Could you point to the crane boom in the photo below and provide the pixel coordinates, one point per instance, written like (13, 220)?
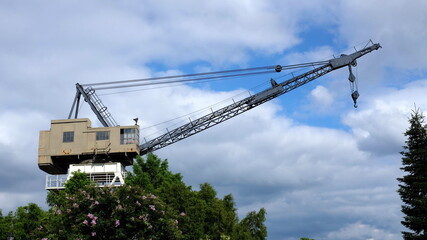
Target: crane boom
(232, 110)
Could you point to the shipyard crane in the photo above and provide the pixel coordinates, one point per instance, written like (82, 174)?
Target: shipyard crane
(74, 141)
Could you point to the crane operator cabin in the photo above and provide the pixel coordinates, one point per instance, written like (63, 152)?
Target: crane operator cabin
(74, 141)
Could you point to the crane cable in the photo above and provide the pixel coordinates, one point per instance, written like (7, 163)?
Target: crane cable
(197, 76)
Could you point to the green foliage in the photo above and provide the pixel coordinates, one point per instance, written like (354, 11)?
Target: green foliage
(153, 204)
(112, 213)
(203, 214)
(252, 226)
(413, 187)
(304, 238)
(78, 182)
(152, 173)
(25, 223)
(6, 225)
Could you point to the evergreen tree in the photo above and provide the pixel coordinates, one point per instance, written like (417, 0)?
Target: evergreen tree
(413, 186)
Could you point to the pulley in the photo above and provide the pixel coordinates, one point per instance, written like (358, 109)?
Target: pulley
(353, 84)
(355, 96)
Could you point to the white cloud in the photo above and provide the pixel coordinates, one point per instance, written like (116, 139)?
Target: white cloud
(333, 180)
(397, 25)
(379, 125)
(360, 231)
(318, 54)
(321, 96)
(10, 201)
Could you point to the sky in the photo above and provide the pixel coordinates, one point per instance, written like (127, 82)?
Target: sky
(321, 168)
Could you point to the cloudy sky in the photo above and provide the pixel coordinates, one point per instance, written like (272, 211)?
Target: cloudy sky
(321, 168)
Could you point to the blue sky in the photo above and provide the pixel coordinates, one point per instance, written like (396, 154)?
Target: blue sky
(321, 168)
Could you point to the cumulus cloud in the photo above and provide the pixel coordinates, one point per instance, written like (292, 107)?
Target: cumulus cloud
(318, 54)
(334, 180)
(321, 96)
(380, 125)
(362, 231)
(396, 24)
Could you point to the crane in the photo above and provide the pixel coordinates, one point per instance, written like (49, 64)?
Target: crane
(120, 144)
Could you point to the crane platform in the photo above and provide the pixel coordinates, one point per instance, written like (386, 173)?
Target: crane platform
(102, 174)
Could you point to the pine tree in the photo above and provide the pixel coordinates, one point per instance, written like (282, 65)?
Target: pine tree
(413, 187)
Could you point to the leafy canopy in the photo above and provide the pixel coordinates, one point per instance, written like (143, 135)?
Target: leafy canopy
(153, 204)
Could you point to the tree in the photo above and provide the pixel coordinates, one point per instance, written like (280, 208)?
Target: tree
(202, 214)
(413, 186)
(24, 223)
(153, 204)
(85, 211)
(6, 225)
(252, 226)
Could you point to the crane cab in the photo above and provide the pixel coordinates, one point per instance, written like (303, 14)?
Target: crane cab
(74, 141)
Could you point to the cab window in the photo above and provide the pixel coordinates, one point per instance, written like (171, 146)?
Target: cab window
(129, 136)
(104, 135)
(68, 137)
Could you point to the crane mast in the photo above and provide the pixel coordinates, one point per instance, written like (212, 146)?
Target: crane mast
(230, 111)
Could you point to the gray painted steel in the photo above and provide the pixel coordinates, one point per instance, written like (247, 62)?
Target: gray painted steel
(248, 103)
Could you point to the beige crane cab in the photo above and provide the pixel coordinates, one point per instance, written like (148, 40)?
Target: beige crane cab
(74, 141)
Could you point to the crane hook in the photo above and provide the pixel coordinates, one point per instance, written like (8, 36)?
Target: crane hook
(354, 96)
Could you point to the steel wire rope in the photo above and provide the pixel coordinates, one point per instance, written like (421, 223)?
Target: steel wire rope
(181, 80)
(178, 76)
(197, 74)
(168, 86)
(210, 107)
(206, 79)
(204, 109)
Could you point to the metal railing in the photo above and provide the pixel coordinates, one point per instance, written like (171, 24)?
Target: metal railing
(55, 182)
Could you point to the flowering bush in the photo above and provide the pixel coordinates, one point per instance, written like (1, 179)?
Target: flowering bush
(153, 204)
(126, 212)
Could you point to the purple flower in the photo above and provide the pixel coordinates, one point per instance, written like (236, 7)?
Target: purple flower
(93, 222)
(144, 197)
(58, 212)
(93, 234)
(90, 215)
(85, 222)
(138, 203)
(96, 203)
(152, 207)
(117, 223)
